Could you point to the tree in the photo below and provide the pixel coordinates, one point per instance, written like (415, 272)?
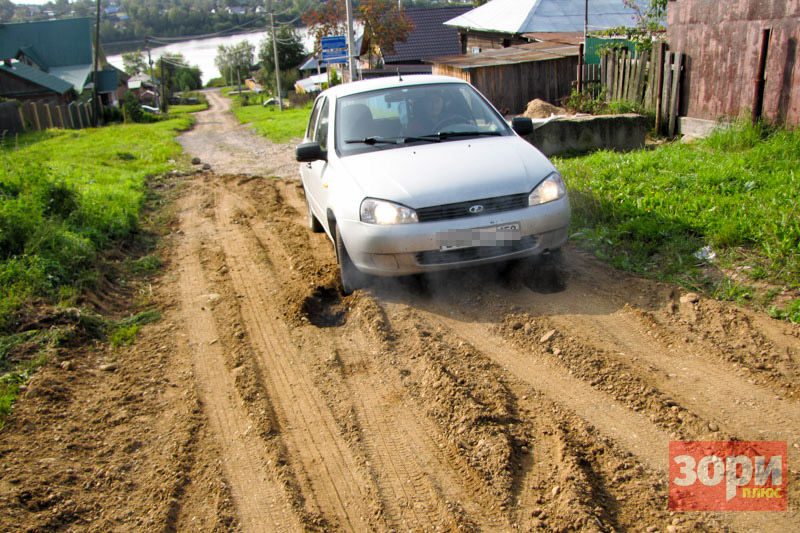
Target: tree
(384, 25)
(174, 74)
(6, 10)
(235, 61)
(223, 62)
(133, 63)
(328, 20)
(649, 23)
(290, 50)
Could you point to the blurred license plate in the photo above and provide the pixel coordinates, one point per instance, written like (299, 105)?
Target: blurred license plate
(502, 235)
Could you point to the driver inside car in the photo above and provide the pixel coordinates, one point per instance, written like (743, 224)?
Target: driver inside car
(428, 113)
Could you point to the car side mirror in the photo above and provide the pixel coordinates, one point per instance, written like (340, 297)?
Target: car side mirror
(522, 125)
(309, 152)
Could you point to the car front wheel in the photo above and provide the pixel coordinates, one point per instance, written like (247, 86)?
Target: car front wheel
(350, 278)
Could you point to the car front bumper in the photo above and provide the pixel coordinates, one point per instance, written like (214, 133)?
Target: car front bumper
(404, 249)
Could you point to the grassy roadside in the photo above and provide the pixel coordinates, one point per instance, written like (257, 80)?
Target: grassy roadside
(736, 192)
(278, 126)
(69, 201)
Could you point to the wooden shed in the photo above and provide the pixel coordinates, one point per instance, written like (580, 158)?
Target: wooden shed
(512, 77)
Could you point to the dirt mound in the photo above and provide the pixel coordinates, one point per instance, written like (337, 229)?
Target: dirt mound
(540, 109)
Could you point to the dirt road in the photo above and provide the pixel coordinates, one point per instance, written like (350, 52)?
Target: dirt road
(479, 400)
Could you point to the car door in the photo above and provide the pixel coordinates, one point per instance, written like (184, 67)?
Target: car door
(313, 173)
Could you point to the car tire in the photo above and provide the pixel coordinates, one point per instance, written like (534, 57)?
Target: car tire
(350, 278)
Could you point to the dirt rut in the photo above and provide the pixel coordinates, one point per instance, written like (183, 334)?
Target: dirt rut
(475, 400)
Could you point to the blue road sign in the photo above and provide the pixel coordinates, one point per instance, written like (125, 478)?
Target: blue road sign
(336, 42)
(333, 55)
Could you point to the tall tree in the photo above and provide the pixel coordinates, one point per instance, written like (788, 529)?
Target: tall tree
(290, 50)
(384, 25)
(133, 63)
(329, 19)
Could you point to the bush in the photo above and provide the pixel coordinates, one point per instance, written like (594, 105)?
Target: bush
(216, 82)
(132, 108)
(112, 114)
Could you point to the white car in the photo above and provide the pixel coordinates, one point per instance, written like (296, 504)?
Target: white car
(421, 173)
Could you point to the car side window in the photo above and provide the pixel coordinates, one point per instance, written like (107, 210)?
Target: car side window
(313, 120)
(321, 135)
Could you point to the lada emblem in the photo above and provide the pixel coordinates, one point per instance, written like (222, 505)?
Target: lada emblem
(475, 209)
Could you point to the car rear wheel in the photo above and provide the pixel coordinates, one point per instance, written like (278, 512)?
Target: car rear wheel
(313, 224)
(350, 278)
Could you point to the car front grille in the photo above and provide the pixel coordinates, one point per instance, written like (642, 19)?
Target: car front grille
(474, 253)
(462, 209)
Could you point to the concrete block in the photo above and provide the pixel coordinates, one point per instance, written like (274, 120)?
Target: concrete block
(577, 135)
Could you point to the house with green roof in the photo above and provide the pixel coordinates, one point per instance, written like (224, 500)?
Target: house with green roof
(51, 61)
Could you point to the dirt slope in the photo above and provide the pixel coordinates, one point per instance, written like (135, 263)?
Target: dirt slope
(479, 400)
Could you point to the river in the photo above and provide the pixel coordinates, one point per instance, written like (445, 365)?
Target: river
(202, 52)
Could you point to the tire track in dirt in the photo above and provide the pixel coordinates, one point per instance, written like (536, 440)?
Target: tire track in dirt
(344, 493)
(632, 430)
(261, 503)
(546, 369)
(417, 485)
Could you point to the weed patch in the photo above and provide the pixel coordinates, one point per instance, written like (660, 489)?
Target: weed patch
(67, 200)
(278, 126)
(651, 211)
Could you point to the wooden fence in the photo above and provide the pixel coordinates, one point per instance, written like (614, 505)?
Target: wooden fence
(39, 116)
(651, 78)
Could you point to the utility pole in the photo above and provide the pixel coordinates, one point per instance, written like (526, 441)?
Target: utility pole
(152, 78)
(585, 20)
(95, 100)
(351, 56)
(277, 66)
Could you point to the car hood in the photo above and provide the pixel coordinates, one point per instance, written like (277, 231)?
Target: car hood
(425, 175)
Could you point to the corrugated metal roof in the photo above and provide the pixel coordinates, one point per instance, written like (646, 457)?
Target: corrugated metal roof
(430, 38)
(34, 75)
(524, 53)
(529, 16)
(55, 42)
(77, 75)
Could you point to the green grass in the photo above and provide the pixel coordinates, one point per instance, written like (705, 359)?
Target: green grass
(67, 197)
(278, 126)
(176, 111)
(649, 211)
(124, 332)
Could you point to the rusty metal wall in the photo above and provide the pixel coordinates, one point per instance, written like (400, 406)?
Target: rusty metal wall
(722, 42)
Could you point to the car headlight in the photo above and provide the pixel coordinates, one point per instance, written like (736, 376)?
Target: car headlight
(382, 212)
(551, 188)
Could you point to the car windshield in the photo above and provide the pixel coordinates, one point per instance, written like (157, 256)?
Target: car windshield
(399, 116)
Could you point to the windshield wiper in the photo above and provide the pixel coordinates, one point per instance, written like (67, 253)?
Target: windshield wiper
(446, 134)
(439, 136)
(372, 140)
(432, 138)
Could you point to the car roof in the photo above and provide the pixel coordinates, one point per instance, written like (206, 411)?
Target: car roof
(363, 86)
